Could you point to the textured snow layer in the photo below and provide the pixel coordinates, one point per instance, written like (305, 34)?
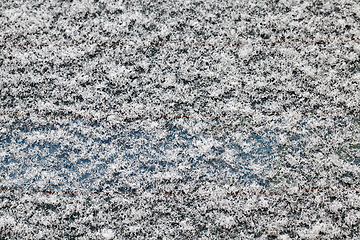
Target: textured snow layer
(111, 62)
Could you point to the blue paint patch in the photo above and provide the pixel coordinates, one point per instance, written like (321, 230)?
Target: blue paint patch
(93, 159)
(67, 161)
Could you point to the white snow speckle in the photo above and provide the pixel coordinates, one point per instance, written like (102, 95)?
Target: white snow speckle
(108, 233)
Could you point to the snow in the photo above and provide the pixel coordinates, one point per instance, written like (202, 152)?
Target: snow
(112, 106)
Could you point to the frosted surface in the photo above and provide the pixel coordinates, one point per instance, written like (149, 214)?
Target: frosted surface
(138, 101)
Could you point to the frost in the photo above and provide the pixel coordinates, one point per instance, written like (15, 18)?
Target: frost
(108, 233)
(8, 220)
(273, 232)
(226, 222)
(174, 119)
(284, 237)
(352, 217)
